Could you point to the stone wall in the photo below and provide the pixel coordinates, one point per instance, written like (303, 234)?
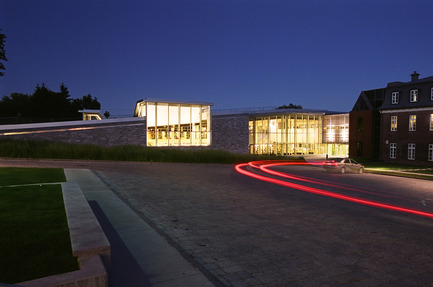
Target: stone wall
(131, 131)
(230, 133)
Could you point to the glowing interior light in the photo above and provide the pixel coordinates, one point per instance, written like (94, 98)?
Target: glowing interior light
(331, 135)
(345, 135)
(273, 126)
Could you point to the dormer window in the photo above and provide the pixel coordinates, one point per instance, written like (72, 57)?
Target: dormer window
(413, 96)
(394, 98)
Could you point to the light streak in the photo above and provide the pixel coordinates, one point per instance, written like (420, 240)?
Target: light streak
(265, 168)
(241, 169)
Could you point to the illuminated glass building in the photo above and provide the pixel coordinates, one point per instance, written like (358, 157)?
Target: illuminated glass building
(273, 131)
(182, 124)
(299, 132)
(175, 123)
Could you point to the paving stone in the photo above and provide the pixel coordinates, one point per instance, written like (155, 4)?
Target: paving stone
(267, 229)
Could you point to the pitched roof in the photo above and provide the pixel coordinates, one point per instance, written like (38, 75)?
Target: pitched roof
(369, 100)
(423, 86)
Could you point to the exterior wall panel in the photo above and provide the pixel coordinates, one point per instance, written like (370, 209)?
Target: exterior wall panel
(230, 133)
(103, 133)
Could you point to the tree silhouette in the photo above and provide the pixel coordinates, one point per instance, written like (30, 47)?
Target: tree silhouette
(45, 105)
(290, 106)
(2, 53)
(51, 105)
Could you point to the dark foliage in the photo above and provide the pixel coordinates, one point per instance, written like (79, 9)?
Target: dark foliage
(2, 52)
(44, 105)
(290, 106)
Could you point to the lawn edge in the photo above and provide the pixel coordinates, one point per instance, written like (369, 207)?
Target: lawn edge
(93, 252)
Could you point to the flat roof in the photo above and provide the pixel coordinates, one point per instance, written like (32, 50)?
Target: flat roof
(174, 102)
(272, 111)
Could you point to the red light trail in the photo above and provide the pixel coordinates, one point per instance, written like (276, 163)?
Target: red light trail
(265, 165)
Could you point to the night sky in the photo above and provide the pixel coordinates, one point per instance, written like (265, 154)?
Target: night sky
(235, 54)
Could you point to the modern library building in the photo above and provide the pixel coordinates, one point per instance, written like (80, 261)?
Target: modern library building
(256, 131)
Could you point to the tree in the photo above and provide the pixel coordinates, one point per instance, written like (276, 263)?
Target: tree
(15, 105)
(2, 52)
(290, 106)
(50, 105)
(86, 102)
(90, 102)
(45, 105)
(107, 114)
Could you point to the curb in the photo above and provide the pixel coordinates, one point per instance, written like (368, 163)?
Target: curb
(89, 245)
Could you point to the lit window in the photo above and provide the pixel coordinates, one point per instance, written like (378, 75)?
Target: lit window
(177, 124)
(412, 123)
(392, 150)
(411, 151)
(394, 99)
(393, 123)
(431, 122)
(430, 152)
(413, 96)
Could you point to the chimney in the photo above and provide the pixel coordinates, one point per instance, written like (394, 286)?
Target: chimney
(414, 76)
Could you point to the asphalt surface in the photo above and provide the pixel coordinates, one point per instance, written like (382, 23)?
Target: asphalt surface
(245, 232)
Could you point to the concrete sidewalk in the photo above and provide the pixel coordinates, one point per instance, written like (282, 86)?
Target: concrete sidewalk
(140, 256)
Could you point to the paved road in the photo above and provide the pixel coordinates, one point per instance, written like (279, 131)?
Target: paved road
(252, 233)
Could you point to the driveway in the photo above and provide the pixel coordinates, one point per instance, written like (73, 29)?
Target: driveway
(252, 233)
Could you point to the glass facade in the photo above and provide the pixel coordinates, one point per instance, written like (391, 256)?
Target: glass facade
(299, 134)
(176, 124)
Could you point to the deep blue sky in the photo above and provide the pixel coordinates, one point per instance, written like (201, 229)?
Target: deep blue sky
(318, 54)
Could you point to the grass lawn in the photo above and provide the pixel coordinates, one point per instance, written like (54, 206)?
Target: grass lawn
(414, 171)
(395, 166)
(20, 175)
(35, 237)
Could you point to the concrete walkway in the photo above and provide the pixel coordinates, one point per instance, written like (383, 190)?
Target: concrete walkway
(140, 256)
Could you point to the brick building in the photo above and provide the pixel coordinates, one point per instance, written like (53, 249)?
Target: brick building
(364, 126)
(407, 121)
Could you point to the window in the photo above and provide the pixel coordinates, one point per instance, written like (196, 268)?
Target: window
(392, 150)
(411, 151)
(177, 124)
(430, 152)
(359, 149)
(413, 96)
(360, 124)
(431, 122)
(394, 98)
(393, 123)
(412, 123)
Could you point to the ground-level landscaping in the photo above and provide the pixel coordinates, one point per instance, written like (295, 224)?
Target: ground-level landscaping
(56, 150)
(35, 238)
